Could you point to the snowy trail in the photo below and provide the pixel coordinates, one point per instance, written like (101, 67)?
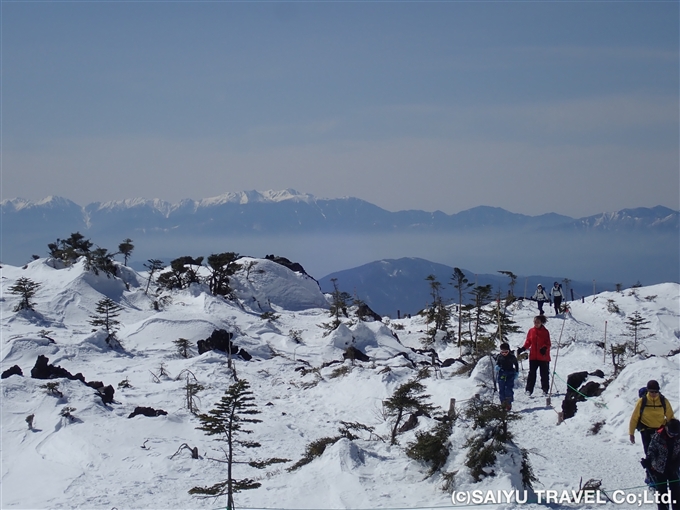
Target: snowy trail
(304, 390)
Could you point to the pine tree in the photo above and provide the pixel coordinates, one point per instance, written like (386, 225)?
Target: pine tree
(182, 273)
(636, 326)
(183, 345)
(407, 398)
(460, 282)
(125, 249)
(513, 281)
(339, 301)
(437, 314)
(26, 288)
(106, 312)
(69, 250)
(504, 322)
(154, 266)
(480, 319)
(227, 420)
(221, 266)
(100, 259)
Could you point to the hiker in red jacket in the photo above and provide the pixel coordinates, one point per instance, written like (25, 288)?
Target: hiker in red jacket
(538, 343)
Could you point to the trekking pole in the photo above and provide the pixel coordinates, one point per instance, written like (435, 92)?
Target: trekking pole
(604, 354)
(557, 354)
(521, 366)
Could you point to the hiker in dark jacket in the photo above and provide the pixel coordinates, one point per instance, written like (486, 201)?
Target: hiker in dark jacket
(656, 412)
(507, 370)
(663, 463)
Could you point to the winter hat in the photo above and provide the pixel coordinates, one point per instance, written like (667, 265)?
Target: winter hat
(555, 284)
(673, 427)
(539, 286)
(653, 385)
(505, 347)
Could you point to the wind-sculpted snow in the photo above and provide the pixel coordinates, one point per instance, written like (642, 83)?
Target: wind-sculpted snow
(264, 285)
(98, 458)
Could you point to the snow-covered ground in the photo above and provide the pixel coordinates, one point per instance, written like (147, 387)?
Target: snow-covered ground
(103, 459)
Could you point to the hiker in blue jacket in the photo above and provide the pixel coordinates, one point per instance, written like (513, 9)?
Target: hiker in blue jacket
(507, 370)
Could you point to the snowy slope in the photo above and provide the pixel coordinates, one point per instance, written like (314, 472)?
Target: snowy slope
(103, 459)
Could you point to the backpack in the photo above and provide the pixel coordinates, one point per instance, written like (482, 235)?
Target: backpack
(642, 393)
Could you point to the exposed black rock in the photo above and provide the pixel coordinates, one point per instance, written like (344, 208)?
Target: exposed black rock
(147, 411)
(219, 340)
(14, 370)
(354, 353)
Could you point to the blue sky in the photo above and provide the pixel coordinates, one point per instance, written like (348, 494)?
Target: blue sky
(535, 107)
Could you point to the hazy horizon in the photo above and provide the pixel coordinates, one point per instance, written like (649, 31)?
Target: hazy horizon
(568, 107)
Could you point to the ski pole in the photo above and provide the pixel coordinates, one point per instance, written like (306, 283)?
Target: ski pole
(557, 354)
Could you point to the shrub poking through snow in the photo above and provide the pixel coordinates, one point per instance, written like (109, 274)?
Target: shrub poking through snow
(407, 398)
(432, 447)
(313, 450)
(491, 423)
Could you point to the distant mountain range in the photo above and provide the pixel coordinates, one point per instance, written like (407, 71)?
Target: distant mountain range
(252, 212)
(399, 287)
(327, 235)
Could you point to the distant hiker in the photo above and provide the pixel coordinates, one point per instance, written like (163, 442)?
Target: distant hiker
(651, 412)
(507, 370)
(556, 294)
(538, 343)
(540, 297)
(663, 463)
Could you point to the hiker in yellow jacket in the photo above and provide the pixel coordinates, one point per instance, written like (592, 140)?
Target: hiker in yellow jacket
(651, 412)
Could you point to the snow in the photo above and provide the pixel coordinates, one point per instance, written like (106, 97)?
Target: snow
(102, 459)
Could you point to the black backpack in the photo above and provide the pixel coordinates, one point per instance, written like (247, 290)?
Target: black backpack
(642, 393)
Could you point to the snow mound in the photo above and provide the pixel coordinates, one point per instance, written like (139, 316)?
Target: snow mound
(264, 286)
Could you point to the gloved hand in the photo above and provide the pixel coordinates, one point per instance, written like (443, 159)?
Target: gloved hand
(497, 368)
(645, 463)
(543, 350)
(520, 350)
(516, 375)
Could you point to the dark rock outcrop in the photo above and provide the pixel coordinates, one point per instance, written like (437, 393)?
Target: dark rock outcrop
(244, 354)
(365, 311)
(578, 392)
(15, 370)
(43, 370)
(147, 411)
(353, 353)
(219, 340)
(293, 266)
(105, 392)
(574, 381)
